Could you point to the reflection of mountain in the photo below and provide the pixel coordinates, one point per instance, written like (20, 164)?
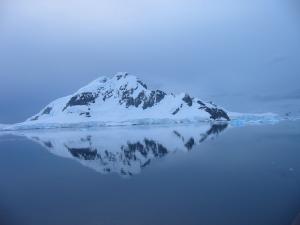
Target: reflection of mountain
(123, 150)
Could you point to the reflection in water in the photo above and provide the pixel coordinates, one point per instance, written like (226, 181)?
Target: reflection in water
(125, 151)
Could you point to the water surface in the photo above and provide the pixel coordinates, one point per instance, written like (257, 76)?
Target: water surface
(191, 175)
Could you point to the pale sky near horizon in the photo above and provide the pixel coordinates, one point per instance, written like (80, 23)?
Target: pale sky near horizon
(229, 51)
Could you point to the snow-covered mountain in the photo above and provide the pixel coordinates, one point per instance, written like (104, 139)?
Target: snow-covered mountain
(122, 150)
(124, 99)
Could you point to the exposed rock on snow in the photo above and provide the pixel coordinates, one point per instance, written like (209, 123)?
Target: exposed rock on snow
(123, 99)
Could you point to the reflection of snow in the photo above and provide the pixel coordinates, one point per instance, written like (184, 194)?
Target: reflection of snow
(125, 151)
(238, 119)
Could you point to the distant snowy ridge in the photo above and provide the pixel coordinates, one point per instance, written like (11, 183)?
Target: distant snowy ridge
(122, 100)
(241, 119)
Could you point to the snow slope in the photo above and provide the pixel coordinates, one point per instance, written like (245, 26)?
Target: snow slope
(122, 100)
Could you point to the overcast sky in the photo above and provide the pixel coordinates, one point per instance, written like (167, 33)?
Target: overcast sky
(230, 51)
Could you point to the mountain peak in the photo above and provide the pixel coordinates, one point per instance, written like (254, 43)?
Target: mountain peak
(120, 75)
(125, 99)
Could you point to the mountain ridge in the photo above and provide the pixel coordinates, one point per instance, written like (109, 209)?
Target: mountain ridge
(125, 100)
(124, 91)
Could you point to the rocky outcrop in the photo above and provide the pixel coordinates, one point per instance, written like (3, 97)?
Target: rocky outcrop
(84, 98)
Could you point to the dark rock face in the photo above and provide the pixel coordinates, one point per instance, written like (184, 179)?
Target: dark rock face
(129, 153)
(216, 113)
(146, 163)
(139, 99)
(178, 134)
(149, 102)
(145, 148)
(130, 150)
(126, 97)
(84, 98)
(47, 110)
(123, 93)
(188, 100)
(129, 102)
(143, 84)
(214, 130)
(190, 143)
(200, 103)
(83, 153)
(159, 95)
(87, 114)
(103, 80)
(34, 118)
(48, 144)
(146, 101)
(217, 128)
(121, 76)
(107, 94)
(177, 110)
